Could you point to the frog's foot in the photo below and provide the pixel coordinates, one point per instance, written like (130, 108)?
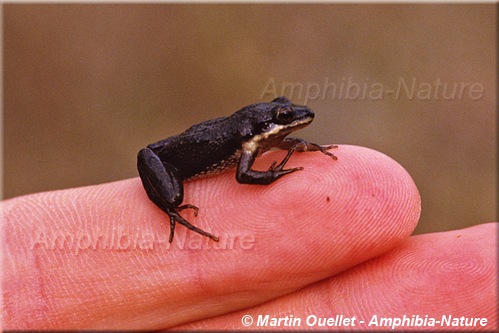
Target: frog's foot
(301, 146)
(316, 147)
(175, 217)
(279, 169)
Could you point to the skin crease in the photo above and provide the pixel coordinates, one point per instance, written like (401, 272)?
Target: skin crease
(335, 228)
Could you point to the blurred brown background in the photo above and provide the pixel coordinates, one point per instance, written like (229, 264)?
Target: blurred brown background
(86, 86)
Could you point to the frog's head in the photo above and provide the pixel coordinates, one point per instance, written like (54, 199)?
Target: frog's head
(290, 116)
(269, 123)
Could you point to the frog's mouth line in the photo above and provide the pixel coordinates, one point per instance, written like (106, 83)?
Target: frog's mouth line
(283, 130)
(300, 123)
(277, 132)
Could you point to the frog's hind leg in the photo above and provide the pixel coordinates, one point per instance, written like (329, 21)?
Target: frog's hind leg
(164, 187)
(160, 181)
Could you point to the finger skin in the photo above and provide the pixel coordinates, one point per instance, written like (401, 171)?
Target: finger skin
(441, 274)
(116, 270)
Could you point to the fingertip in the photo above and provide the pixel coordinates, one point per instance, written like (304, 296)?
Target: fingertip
(363, 190)
(351, 209)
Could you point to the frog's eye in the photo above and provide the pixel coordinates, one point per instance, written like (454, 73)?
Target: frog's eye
(284, 116)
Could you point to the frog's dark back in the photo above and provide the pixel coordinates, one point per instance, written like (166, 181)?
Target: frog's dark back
(204, 149)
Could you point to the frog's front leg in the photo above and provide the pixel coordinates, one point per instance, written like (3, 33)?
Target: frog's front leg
(245, 175)
(301, 145)
(164, 187)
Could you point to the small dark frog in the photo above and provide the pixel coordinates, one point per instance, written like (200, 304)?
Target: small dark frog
(215, 145)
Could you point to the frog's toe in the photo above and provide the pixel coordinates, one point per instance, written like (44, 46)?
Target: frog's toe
(188, 206)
